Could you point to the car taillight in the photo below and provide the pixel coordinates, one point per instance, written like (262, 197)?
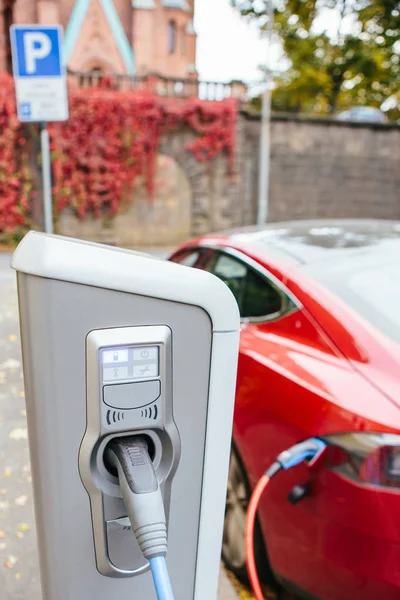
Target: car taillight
(371, 458)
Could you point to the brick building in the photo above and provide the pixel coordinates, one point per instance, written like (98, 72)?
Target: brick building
(124, 36)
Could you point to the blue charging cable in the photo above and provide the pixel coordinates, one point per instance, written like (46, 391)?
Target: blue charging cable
(286, 460)
(161, 579)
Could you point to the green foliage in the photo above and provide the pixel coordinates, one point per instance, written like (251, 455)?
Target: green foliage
(355, 61)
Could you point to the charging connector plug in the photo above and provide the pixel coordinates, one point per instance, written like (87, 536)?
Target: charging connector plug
(141, 493)
(296, 454)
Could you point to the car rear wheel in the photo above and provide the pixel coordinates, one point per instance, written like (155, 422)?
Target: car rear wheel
(233, 546)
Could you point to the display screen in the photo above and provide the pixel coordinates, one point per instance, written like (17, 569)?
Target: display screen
(135, 362)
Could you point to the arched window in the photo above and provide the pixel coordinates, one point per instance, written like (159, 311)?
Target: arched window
(183, 40)
(171, 37)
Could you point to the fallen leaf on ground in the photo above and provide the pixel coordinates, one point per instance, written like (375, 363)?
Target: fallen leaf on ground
(22, 394)
(12, 337)
(20, 535)
(7, 472)
(18, 575)
(3, 492)
(3, 546)
(12, 560)
(2, 535)
(21, 500)
(4, 505)
(19, 434)
(22, 527)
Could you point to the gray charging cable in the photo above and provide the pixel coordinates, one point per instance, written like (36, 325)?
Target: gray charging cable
(141, 493)
(144, 504)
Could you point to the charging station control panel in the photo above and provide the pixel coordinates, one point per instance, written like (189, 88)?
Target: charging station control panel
(129, 390)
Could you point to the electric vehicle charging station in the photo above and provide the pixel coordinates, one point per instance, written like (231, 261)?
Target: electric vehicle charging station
(118, 344)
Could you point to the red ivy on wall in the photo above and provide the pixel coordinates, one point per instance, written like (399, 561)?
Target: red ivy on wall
(15, 180)
(111, 138)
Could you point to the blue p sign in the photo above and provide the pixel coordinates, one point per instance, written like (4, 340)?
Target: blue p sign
(37, 51)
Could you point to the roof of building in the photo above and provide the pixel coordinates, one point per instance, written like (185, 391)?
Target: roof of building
(77, 20)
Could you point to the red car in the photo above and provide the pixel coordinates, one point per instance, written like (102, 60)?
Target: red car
(319, 356)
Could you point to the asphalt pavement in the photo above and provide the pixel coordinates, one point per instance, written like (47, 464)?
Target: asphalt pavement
(19, 574)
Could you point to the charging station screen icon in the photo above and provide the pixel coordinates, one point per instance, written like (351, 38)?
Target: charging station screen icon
(115, 356)
(130, 363)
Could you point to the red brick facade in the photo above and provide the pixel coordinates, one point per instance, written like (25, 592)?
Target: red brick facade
(160, 32)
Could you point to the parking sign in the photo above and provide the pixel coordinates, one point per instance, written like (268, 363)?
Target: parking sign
(40, 79)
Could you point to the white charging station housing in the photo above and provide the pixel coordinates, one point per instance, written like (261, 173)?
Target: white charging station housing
(117, 343)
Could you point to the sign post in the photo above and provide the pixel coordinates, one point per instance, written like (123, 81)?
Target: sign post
(41, 90)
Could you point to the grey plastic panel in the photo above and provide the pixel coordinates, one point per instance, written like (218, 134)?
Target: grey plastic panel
(56, 318)
(128, 396)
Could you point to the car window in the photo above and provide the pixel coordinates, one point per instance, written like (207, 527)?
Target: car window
(233, 273)
(255, 296)
(188, 258)
(260, 298)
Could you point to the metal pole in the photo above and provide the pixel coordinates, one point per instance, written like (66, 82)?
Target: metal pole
(265, 132)
(46, 178)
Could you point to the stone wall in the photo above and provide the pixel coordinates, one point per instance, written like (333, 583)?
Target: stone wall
(191, 198)
(319, 169)
(324, 168)
(164, 220)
